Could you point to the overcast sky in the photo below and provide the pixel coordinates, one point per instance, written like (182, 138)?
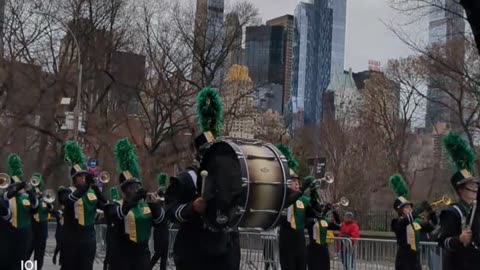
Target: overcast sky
(366, 38)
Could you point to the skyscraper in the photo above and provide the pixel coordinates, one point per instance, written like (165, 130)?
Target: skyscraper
(339, 8)
(264, 49)
(445, 26)
(208, 39)
(312, 55)
(287, 22)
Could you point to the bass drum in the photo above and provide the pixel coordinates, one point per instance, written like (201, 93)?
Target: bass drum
(246, 185)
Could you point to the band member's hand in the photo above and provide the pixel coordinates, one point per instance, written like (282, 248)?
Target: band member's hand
(466, 236)
(141, 194)
(199, 205)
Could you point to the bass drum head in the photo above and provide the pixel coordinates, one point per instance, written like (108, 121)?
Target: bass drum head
(223, 190)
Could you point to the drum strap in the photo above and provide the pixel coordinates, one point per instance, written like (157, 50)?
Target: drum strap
(193, 175)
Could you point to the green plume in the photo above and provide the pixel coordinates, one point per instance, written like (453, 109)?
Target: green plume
(461, 155)
(398, 185)
(287, 152)
(74, 154)
(114, 194)
(126, 158)
(162, 180)
(210, 111)
(15, 166)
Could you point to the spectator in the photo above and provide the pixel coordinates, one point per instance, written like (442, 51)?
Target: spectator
(349, 229)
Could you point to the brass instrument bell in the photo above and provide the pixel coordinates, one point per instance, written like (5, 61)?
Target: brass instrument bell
(104, 177)
(49, 196)
(35, 181)
(343, 202)
(5, 180)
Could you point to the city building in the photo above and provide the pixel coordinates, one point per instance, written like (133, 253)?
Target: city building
(237, 98)
(287, 21)
(339, 8)
(445, 26)
(312, 55)
(209, 34)
(264, 56)
(346, 99)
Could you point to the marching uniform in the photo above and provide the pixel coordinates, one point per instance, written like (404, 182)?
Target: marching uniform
(58, 214)
(456, 255)
(292, 233)
(407, 227)
(81, 203)
(456, 217)
(161, 233)
(317, 250)
(40, 227)
(195, 248)
(18, 229)
(133, 217)
(114, 197)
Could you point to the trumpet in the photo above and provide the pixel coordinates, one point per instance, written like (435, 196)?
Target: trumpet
(49, 196)
(152, 197)
(319, 183)
(5, 180)
(104, 177)
(343, 202)
(34, 181)
(444, 201)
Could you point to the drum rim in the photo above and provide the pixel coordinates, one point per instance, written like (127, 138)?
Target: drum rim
(274, 150)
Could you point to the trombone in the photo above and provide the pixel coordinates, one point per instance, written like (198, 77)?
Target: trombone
(5, 180)
(49, 196)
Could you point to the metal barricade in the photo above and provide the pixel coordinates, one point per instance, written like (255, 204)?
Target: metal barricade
(260, 250)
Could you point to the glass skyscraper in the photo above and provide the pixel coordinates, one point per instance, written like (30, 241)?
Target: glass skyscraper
(339, 8)
(312, 57)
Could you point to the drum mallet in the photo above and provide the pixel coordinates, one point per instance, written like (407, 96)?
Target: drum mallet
(474, 209)
(204, 175)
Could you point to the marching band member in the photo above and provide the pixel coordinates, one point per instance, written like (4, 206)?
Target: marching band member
(455, 235)
(407, 227)
(58, 214)
(161, 233)
(114, 198)
(40, 224)
(197, 247)
(134, 216)
(292, 228)
(319, 224)
(22, 204)
(81, 202)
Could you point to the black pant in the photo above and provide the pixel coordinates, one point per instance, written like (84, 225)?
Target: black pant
(201, 250)
(131, 262)
(407, 260)
(16, 248)
(160, 242)
(292, 249)
(108, 252)
(39, 242)
(78, 255)
(318, 256)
